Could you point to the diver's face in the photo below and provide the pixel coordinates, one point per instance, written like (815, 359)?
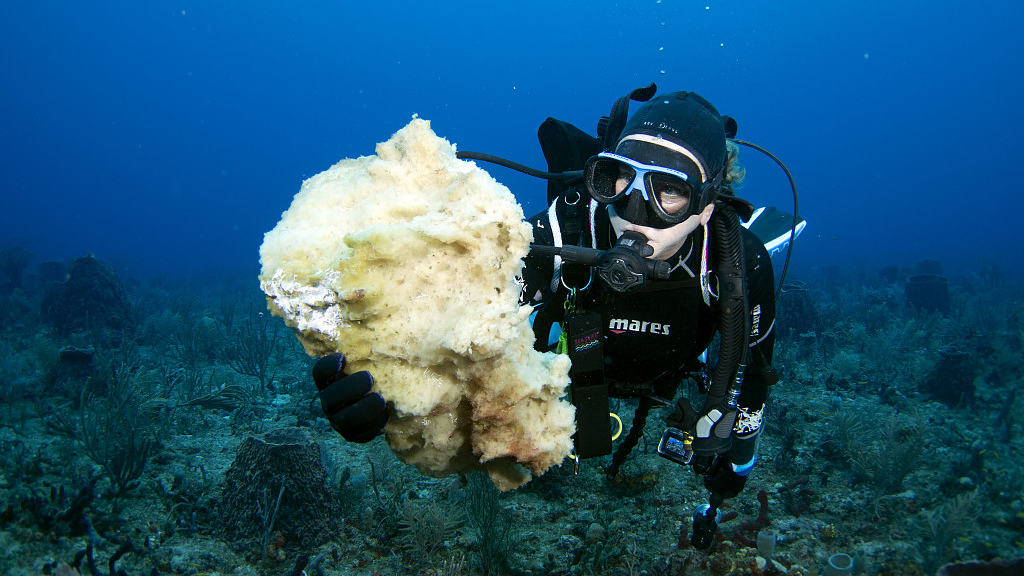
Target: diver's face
(673, 199)
(664, 241)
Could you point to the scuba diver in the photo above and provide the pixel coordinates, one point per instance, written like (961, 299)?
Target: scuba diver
(640, 259)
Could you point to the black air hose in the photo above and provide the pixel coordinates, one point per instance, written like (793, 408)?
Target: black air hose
(735, 322)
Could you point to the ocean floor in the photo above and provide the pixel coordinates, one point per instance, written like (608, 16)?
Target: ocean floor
(891, 437)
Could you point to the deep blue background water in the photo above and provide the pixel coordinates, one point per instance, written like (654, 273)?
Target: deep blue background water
(167, 137)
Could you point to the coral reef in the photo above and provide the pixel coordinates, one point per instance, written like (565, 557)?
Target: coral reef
(952, 380)
(15, 256)
(162, 456)
(92, 298)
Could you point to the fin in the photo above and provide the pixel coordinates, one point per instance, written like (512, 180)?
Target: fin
(774, 228)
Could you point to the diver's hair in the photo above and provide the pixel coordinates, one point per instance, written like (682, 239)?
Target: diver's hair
(735, 173)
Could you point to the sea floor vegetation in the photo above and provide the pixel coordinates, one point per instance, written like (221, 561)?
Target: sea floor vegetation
(191, 443)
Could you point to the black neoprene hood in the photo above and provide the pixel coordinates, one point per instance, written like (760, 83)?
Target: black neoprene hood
(654, 133)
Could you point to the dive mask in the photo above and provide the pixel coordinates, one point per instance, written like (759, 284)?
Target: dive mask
(661, 188)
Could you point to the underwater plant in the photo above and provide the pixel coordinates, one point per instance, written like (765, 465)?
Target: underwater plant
(884, 457)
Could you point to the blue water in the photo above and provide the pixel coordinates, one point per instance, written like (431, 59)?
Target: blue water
(167, 137)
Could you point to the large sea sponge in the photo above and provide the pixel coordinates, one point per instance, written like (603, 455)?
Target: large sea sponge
(406, 262)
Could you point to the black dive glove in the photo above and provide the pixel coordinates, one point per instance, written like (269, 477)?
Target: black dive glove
(355, 412)
(722, 481)
(708, 434)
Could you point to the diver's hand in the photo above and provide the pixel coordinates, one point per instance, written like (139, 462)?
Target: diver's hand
(354, 410)
(712, 437)
(722, 480)
(709, 432)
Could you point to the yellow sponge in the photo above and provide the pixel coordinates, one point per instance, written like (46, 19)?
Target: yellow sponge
(406, 262)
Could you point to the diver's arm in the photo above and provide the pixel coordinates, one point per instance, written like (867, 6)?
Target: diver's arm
(535, 282)
(729, 475)
(537, 269)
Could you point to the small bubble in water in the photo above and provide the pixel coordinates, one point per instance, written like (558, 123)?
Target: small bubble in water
(662, 71)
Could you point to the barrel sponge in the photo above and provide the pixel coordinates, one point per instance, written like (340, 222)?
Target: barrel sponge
(283, 463)
(406, 262)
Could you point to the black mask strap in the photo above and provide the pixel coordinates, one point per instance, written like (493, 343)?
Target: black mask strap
(610, 127)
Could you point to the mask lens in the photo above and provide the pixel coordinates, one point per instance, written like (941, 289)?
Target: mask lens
(674, 195)
(663, 196)
(602, 174)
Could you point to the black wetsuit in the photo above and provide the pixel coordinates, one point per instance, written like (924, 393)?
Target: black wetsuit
(652, 338)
